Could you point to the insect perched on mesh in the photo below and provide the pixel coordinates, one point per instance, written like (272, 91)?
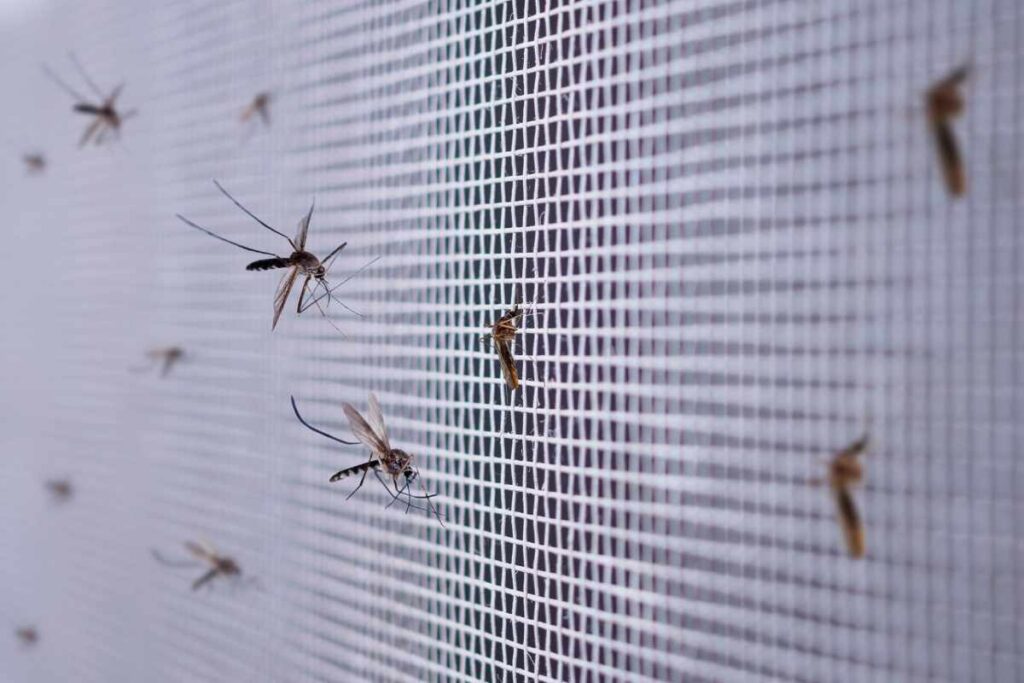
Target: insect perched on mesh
(260, 106)
(393, 462)
(844, 472)
(28, 635)
(60, 489)
(166, 357)
(106, 117)
(35, 163)
(299, 262)
(204, 553)
(945, 102)
(503, 334)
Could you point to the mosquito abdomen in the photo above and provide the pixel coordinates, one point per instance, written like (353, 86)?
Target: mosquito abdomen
(269, 264)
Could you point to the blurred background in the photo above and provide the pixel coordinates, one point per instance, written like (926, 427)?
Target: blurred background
(728, 222)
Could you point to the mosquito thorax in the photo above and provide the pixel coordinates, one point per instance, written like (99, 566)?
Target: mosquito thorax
(309, 263)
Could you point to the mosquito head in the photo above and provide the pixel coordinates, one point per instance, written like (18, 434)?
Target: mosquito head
(320, 273)
(397, 463)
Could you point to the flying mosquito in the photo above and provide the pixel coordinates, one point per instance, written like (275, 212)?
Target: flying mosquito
(28, 635)
(299, 262)
(503, 334)
(60, 489)
(844, 472)
(393, 462)
(260, 105)
(106, 117)
(944, 103)
(167, 357)
(35, 163)
(219, 565)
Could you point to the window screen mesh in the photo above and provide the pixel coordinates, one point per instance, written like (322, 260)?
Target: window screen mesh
(728, 226)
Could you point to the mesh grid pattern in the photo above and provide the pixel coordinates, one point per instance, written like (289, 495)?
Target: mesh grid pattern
(727, 223)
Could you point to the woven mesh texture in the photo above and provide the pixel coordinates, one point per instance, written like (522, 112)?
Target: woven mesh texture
(727, 225)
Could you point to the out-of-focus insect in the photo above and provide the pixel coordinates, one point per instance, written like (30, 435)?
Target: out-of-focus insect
(60, 489)
(260, 106)
(945, 102)
(28, 635)
(35, 163)
(393, 462)
(844, 472)
(204, 553)
(299, 262)
(167, 357)
(106, 117)
(503, 334)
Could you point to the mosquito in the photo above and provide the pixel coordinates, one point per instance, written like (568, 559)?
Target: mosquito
(393, 462)
(219, 565)
(300, 262)
(945, 102)
(106, 117)
(35, 163)
(60, 489)
(167, 357)
(28, 635)
(844, 472)
(503, 334)
(260, 105)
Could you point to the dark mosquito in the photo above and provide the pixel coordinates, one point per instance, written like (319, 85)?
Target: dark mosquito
(28, 635)
(60, 489)
(106, 117)
(945, 102)
(845, 471)
(35, 163)
(166, 357)
(384, 461)
(300, 262)
(260, 106)
(204, 553)
(503, 335)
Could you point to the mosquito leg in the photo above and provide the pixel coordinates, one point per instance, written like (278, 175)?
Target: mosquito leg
(172, 563)
(302, 294)
(361, 480)
(85, 76)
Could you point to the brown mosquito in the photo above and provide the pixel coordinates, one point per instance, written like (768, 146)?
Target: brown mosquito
(60, 489)
(260, 106)
(844, 472)
(392, 462)
(503, 334)
(204, 553)
(35, 163)
(106, 117)
(166, 357)
(300, 262)
(28, 635)
(945, 102)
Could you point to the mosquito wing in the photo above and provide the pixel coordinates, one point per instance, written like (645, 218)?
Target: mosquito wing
(199, 551)
(508, 363)
(364, 432)
(376, 421)
(283, 290)
(300, 234)
(90, 131)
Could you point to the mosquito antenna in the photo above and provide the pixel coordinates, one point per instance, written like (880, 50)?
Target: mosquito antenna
(310, 427)
(254, 216)
(223, 239)
(85, 76)
(64, 86)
